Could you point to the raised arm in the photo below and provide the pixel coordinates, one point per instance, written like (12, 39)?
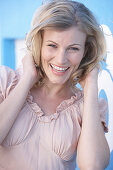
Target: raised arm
(93, 151)
(11, 106)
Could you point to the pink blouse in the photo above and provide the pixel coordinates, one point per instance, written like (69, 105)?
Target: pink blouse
(39, 142)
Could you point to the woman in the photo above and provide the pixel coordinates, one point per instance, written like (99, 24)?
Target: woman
(44, 118)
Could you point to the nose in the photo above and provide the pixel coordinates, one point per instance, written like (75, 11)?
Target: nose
(61, 57)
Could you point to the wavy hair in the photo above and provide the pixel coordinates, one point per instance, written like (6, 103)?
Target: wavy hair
(64, 14)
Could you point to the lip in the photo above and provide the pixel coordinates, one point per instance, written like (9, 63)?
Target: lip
(59, 73)
(59, 66)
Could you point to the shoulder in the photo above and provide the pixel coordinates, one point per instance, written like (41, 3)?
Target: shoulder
(6, 73)
(78, 100)
(5, 69)
(8, 80)
(79, 95)
(9, 71)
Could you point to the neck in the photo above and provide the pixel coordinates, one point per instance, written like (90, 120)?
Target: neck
(56, 89)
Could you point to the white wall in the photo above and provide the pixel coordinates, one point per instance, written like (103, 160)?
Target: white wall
(20, 49)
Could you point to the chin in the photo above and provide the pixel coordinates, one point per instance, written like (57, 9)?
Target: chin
(59, 82)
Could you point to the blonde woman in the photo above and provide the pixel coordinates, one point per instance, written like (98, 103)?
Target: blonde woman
(45, 120)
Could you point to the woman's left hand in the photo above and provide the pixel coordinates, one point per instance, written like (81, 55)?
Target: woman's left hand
(91, 78)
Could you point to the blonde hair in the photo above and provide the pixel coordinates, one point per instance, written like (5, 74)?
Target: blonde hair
(64, 14)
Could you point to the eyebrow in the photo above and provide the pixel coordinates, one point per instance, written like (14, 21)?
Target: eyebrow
(69, 45)
(52, 41)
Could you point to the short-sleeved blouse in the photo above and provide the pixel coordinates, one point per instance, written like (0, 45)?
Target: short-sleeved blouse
(40, 142)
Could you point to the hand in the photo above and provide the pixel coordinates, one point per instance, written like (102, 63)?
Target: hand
(91, 78)
(30, 71)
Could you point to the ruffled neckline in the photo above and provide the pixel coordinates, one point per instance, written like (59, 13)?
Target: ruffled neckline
(38, 113)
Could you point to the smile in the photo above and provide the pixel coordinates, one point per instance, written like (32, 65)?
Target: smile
(59, 69)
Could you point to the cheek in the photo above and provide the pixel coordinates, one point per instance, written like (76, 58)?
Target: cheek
(45, 55)
(75, 60)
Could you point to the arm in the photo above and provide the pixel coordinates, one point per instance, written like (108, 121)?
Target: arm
(11, 106)
(93, 151)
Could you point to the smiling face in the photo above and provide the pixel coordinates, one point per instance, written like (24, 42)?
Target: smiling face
(61, 53)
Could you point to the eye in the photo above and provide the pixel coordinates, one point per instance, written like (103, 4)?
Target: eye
(52, 45)
(74, 49)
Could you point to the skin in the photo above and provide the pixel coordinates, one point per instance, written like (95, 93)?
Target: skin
(62, 52)
(57, 49)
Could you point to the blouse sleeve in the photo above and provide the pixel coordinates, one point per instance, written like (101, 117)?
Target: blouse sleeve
(25, 119)
(103, 108)
(8, 81)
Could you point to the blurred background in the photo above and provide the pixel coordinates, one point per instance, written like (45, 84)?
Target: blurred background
(15, 20)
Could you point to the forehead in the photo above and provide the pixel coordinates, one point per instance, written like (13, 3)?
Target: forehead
(70, 35)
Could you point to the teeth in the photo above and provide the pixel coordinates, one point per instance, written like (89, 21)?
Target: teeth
(58, 68)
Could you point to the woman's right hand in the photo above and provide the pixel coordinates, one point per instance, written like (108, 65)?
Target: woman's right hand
(30, 71)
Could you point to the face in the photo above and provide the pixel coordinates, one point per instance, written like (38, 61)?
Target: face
(61, 53)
